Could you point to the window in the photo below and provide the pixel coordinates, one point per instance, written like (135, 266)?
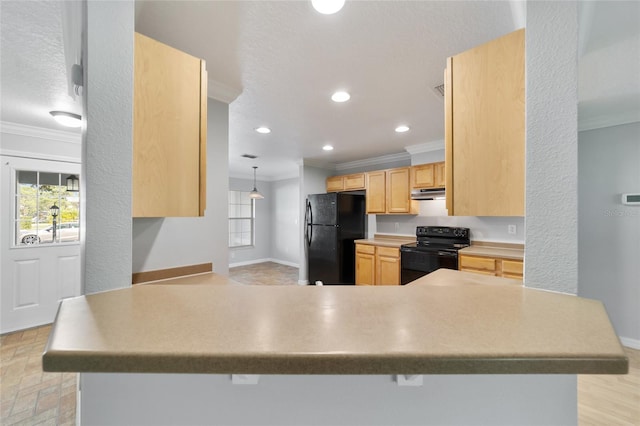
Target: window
(35, 194)
(241, 219)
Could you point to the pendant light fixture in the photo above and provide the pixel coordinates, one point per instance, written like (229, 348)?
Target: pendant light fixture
(255, 194)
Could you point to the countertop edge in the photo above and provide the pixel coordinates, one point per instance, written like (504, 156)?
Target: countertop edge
(325, 364)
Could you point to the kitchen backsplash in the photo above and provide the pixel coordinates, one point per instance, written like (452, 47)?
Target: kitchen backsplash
(434, 213)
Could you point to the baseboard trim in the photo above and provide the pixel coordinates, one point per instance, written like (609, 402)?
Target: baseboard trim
(630, 343)
(256, 261)
(163, 274)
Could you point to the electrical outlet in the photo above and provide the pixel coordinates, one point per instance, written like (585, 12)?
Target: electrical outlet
(397, 226)
(511, 229)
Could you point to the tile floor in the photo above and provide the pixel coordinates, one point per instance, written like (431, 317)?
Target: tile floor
(29, 396)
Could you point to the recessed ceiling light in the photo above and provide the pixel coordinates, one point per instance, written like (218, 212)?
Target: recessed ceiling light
(327, 7)
(68, 119)
(340, 97)
(263, 130)
(402, 129)
(327, 148)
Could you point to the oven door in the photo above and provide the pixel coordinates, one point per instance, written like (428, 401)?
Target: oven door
(417, 263)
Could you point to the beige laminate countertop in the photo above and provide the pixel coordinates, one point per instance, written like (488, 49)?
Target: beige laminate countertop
(383, 240)
(447, 322)
(506, 251)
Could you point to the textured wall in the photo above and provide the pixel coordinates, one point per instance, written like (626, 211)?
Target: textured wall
(108, 58)
(609, 231)
(551, 259)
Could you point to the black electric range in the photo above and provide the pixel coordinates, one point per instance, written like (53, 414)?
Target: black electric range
(435, 247)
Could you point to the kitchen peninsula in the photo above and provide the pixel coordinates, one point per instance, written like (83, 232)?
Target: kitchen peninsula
(333, 355)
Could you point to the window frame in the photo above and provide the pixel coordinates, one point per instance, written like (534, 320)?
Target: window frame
(16, 203)
(232, 219)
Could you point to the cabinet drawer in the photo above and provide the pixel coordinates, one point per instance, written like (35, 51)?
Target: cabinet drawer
(388, 251)
(478, 271)
(512, 267)
(365, 248)
(481, 263)
(354, 181)
(335, 183)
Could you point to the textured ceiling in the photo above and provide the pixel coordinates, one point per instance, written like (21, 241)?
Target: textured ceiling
(286, 60)
(32, 70)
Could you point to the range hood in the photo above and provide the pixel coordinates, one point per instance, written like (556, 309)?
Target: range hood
(428, 194)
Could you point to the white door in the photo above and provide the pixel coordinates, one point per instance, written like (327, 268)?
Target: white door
(40, 262)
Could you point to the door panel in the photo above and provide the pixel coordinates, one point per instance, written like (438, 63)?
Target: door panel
(323, 255)
(33, 278)
(324, 209)
(25, 283)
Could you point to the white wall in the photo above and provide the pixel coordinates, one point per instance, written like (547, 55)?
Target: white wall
(263, 224)
(160, 243)
(551, 256)
(482, 228)
(608, 231)
(108, 137)
(285, 221)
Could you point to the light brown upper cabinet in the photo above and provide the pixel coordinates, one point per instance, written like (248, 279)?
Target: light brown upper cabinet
(485, 129)
(352, 182)
(169, 131)
(425, 176)
(389, 192)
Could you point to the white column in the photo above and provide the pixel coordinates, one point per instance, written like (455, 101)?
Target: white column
(107, 147)
(551, 258)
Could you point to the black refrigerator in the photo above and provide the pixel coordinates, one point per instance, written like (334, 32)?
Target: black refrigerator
(333, 222)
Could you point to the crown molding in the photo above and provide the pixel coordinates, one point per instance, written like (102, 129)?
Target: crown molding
(425, 147)
(39, 156)
(264, 178)
(608, 120)
(39, 132)
(373, 161)
(319, 164)
(221, 92)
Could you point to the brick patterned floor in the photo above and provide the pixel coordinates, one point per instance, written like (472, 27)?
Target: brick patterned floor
(30, 396)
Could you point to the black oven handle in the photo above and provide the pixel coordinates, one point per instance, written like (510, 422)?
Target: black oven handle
(438, 253)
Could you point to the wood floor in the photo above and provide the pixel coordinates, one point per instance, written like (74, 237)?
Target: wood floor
(31, 397)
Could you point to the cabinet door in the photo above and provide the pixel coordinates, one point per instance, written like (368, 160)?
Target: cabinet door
(169, 131)
(365, 268)
(376, 192)
(398, 192)
(388, 266)
(422, 176)
(484, 129)
(354, 182)
(335, 183)
(512, 269)
(438, 173)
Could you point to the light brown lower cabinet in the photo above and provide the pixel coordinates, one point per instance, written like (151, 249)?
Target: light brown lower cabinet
(376, 265)
(498, 267)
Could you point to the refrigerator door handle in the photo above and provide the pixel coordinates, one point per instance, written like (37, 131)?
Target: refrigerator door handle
(309, 220)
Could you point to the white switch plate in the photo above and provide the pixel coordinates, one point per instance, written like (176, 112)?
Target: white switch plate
(512, 229)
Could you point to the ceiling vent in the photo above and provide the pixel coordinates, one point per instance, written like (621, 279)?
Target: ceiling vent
(439, 91)
(253, 157)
